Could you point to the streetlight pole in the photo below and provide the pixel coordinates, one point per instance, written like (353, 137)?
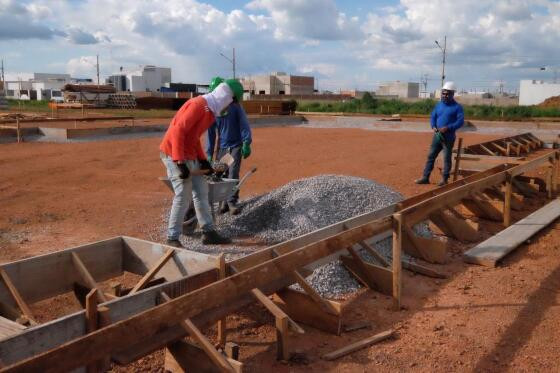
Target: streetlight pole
(231, 60)
(443, 50)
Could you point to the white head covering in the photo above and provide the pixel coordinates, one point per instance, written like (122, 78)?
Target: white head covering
(219, 98)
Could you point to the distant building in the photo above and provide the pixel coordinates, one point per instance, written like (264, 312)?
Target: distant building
(279, 83)
(148, 78)
(43, 86)
(399, 89)
(355, 93)
(534, 92)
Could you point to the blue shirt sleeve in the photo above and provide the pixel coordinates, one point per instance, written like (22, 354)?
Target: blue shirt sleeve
(459, 121)
(211, 140)
(244, 126)
(433, 117)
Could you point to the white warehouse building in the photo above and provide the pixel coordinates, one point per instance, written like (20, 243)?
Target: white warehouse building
(43, 86)
(534, 92)
(148, 78)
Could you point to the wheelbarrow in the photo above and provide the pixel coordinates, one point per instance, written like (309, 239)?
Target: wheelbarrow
(219, 190)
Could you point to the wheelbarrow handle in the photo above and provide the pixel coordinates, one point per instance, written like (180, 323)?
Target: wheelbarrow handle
(249, 173)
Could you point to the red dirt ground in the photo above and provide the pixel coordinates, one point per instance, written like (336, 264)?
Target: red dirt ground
(54, 196)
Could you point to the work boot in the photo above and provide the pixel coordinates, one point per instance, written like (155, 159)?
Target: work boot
(442, 182)
(175, 243)
(233, 208)
(422, 180)
(213, 238)
(223, 207)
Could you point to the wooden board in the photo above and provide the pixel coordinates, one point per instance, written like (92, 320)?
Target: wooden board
(377, 278)
(358, 345)
(9, 328)
(185, 356)
(146, 324)
(48, 275)
(303, 309)
(492, 250)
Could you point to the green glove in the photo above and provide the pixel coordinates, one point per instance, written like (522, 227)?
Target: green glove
(246, 150)
(209, 158)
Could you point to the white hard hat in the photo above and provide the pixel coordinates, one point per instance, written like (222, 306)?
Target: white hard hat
(449, 86)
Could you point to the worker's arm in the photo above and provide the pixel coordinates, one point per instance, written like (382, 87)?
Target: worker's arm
(184, 121)
(211, 140)
(433, 117)
(459, 121)
(244, 126)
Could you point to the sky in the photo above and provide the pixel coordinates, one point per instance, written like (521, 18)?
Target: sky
(343, 44)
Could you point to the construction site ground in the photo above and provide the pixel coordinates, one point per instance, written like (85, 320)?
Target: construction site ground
(54, 196)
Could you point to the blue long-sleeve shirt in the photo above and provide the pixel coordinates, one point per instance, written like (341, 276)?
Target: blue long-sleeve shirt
(448, 115)
(233, 128)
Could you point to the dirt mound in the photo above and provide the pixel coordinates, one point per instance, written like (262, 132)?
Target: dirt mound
(551, 102)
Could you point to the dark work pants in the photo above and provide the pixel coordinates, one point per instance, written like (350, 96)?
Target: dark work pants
(233, 171)
(437, 146)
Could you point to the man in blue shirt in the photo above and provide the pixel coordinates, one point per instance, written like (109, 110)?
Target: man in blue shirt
(234, 138)
(447, 117)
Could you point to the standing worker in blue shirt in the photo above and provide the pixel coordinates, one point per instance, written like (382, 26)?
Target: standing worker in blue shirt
(447, 117)
(234, 138)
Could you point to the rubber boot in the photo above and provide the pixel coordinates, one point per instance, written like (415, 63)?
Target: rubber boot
(422, 180)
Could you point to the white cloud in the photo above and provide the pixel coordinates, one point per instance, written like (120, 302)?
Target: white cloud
(506, 39)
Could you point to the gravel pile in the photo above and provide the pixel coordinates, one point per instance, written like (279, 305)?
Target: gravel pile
(303, 206)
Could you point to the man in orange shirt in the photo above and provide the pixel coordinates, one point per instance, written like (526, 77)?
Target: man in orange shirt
(182, 153)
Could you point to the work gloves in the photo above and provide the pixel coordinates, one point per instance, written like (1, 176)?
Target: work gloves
(205, 165)
(246, 150)
(184, 171)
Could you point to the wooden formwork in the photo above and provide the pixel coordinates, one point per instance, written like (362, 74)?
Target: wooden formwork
(143, 321)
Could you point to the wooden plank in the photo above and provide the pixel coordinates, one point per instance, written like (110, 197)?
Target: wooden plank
(272, 307)
(431, 250)
(149, 322)
(483, 208)
(358, 345)
(300, 307)
(371, 250)
(507, 201)
(459, 228)
(9, 328)
(490, 152)
(87, 277)
(321, 302)
(369, 278)
(186, 357)
(216, 357)
(282, 339)
(423, 270)
(373, 276)
(397, 223)
(153, 271)
(45, 276)
(222, 326)
(92, 323)
(16, 295)
(492, 250)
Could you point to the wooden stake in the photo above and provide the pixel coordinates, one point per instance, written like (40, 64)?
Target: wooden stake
(507, 201)
(17, 296)
(283, 351)
(153, 271)
(18, 130)
(87, 277)
(358, 345)
(222, 323)
(200, 338)
(397, 265)
(457, 159)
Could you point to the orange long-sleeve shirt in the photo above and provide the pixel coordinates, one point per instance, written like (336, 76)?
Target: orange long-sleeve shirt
(182, 139)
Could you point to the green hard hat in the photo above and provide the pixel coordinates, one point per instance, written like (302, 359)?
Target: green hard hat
(215, 82)
(236, 88)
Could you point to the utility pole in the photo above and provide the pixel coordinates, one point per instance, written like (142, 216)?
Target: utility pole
(444, 51)
(3, 81)
(97, 66)
(231, 60)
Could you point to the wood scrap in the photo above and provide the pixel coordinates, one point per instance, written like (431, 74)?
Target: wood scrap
(358, 345)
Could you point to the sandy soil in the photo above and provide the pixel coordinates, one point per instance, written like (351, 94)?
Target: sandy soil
(54, 196)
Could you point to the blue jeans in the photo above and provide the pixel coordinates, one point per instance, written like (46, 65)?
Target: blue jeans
(437, 146)
(195, 188)
(233, 170)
